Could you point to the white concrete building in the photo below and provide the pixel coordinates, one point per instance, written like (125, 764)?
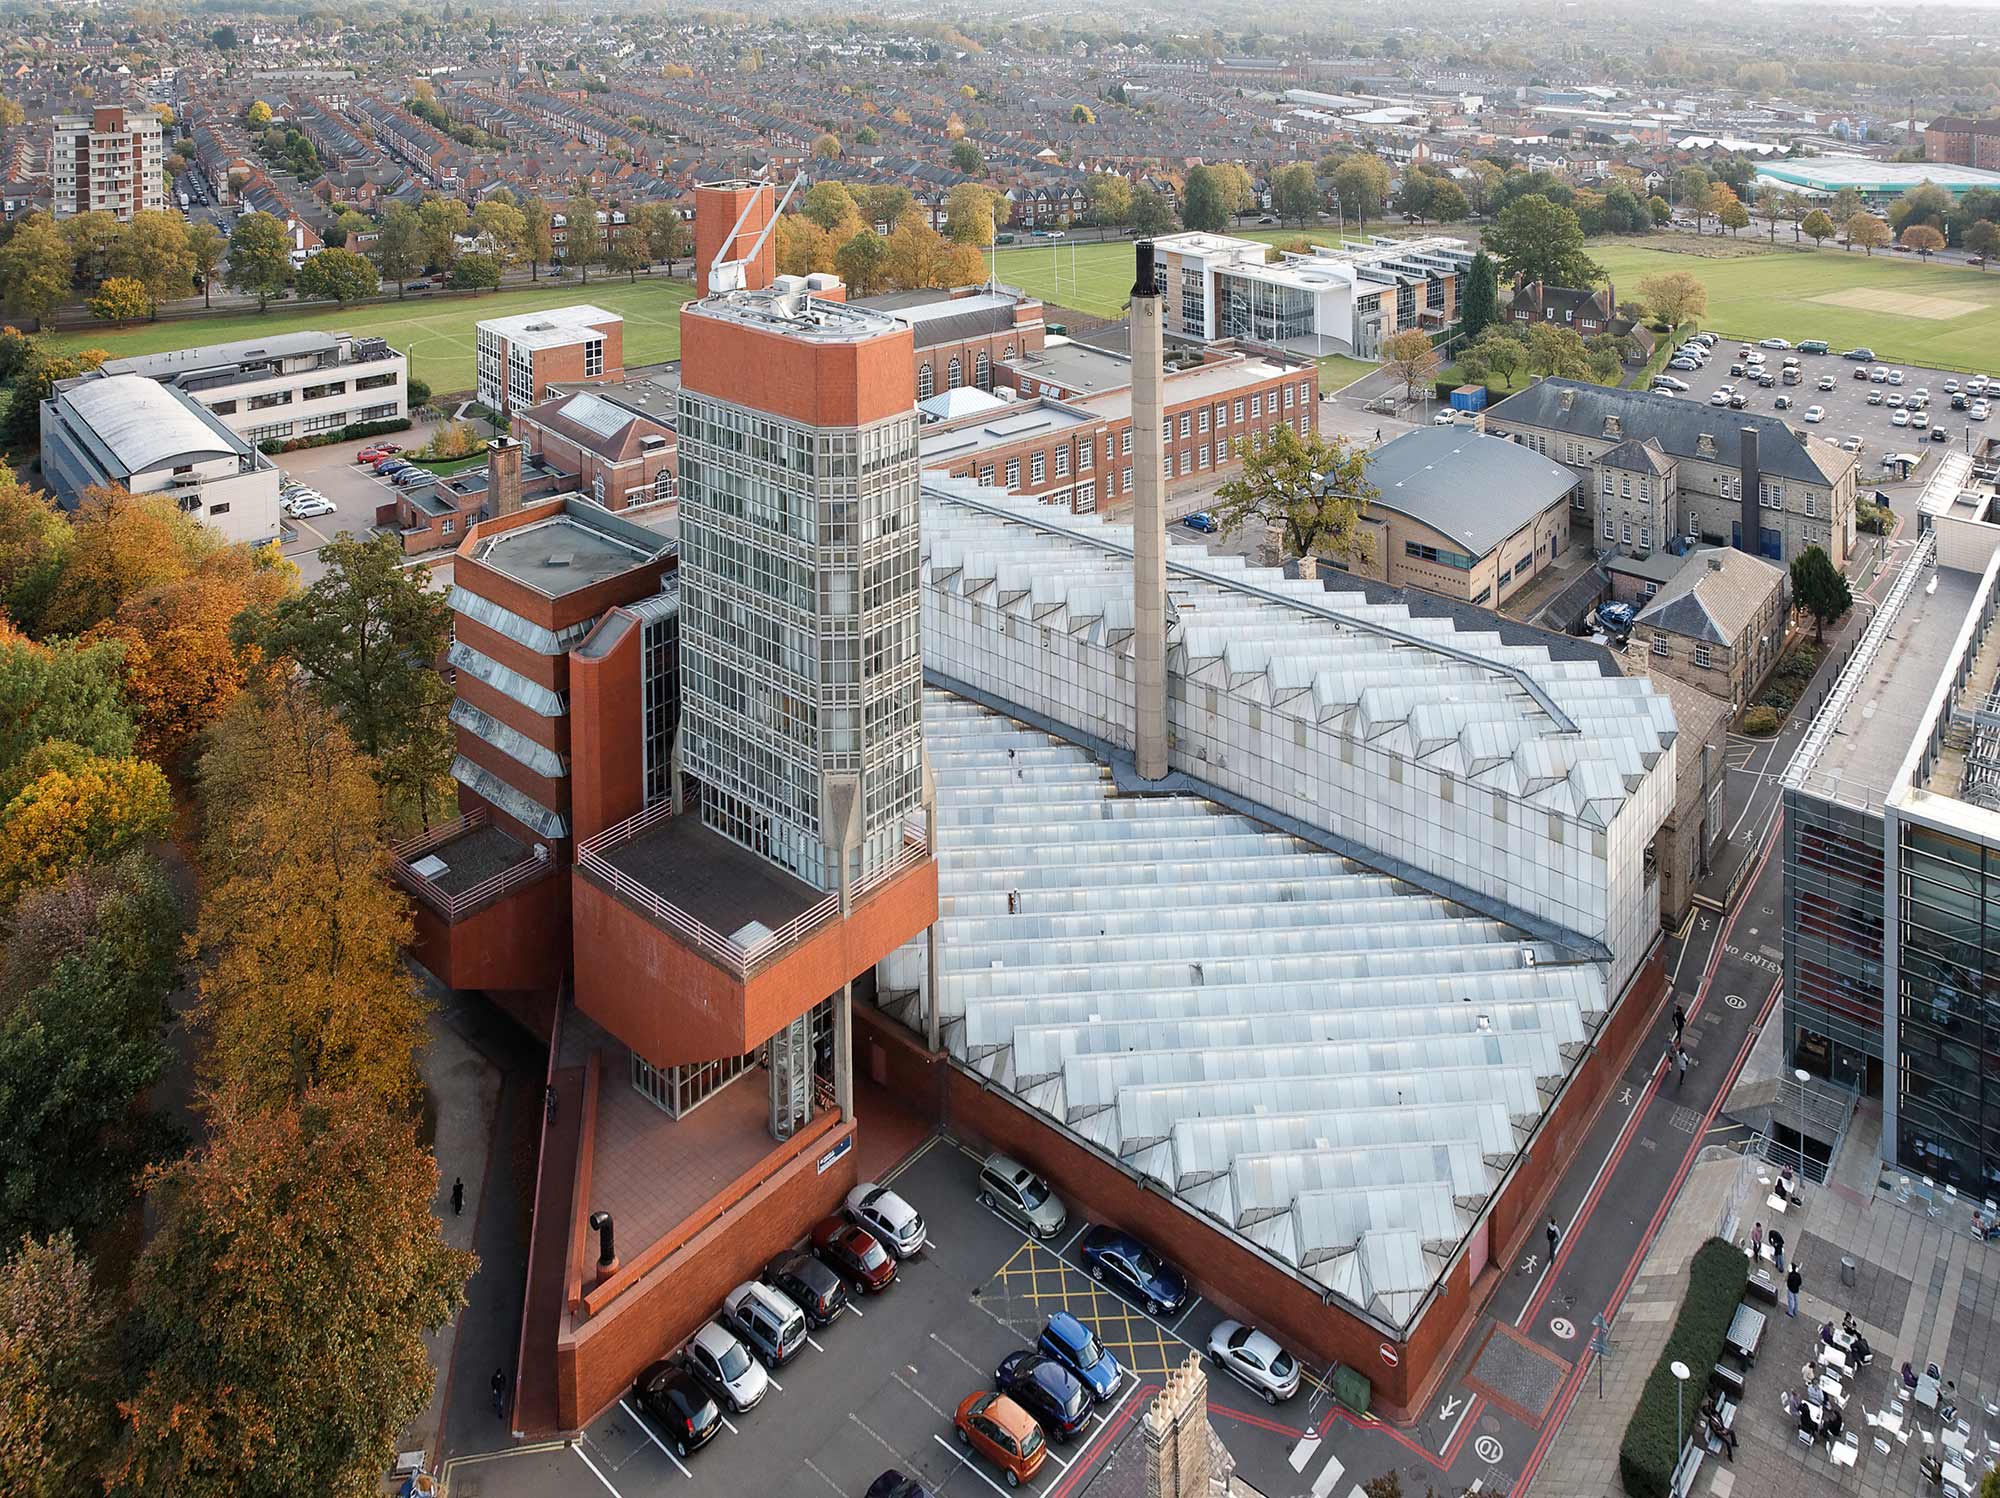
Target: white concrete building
(146, 437)
(1341, 299)
(288, 385)
(108, 161)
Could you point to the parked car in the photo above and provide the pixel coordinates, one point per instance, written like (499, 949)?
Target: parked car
(378, 450)
(893, 1484)
(998, 1429)
(892, 1221)
(1773, 343)
(811, 1285)
(1894, 401)
(1044, 1388)
(1753, 357)
(1812, 345)
(390, 464)
(1939, 434)
(1876, 398)
(1861, 373)
(311, 507)
(1738, 401)
(1076, 1347)
(1253, 1358)
(1118, 1259)
(1980, 411)
(1899, 418)
(1668, 382)
(1782, 403)
(1950, 387)
(675, 1401)
(1920, 420)
(1851, 444)
(1201, 521)
(1815, 415)
(410, 477)
(854, 1255)
(1736, 371)
(766, 1319)
(724, 1364)
(1895, 377)
(1719, 396)
(1685, 366)
(1444, 419)
(1960, 400)
(1826, 382)
(1008, 1187)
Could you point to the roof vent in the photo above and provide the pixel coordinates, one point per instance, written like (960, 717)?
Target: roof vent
(1613, 427)
(1704, 445)
(1568, 400)
(430, 866)
(561, 558)
(1715, 564)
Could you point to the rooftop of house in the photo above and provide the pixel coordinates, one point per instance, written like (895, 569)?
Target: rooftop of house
(945, 443)
(1477, 489)
(1715, 595)
(795, 314)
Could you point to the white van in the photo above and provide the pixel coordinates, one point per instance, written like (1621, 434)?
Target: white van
(769, 1320)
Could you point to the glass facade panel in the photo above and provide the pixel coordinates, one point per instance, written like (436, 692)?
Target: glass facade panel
(1256, 309)
(1833, 939)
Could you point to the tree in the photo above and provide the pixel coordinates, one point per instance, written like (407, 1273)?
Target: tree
(121, 299)
(583, 243)
(501, 230)
(1926, 203)
(1110, 199)
(1693, 184)
(1817, 227)
(1316, 489)
(882, 204)
(34, 383)
(1202, 202)
(34, 541)
(282, 1304)
(1543, 242)
(35, 268)
(1361, 183)
(803, 246)
(1820, 589)
(667, 236)
(399, 248)
(1501, 353)
(124, 544)
(223, 38)
(1867, 231)
(1983, 239)
(1673, 297)
(915, 254)
(826, 147)
(1414, 197)
(81, 811)
(1295, 193)
(1661, 210)
(93, 242)
(56, 1366)
(1479, 305)
(205, 247)
(1922, 238)
(972, 213)
(967, 160)
(258, 115)
(1152, 214)
(475, 272)
(1448, 204)
(337, 276)
(1409, 356)
(260, 257)
(440, 222)
(1728, 208)
(154, 251)
(863, 263)
(1239, 193)
(67, 692)
(866, 136)
(1082, 114)
(626, 251)
(828, 203)
(538, 235)
(1557, 351)
(366, 637)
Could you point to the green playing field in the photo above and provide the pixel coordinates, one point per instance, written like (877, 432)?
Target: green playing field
(437, 335)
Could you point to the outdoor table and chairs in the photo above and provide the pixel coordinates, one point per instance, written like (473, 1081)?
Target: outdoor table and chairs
(1830, 1359)
(1927, 1390)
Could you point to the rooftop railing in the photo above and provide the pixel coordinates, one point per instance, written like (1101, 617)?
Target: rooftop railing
(456, 905)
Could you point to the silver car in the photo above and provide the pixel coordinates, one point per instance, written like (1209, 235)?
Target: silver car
(1008, 1187)
(891, 1219)
(725, 1365)
(1254, 1360)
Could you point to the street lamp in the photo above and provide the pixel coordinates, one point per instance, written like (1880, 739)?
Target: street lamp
(1680, 1373)
(1803, 1077)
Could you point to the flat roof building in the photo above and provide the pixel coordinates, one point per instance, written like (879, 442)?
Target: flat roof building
(284, 386)
(109, 161)
(1823, 176)
(518, 358)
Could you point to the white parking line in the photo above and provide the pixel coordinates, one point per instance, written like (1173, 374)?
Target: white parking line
(935, 1409)
(725, 1423)
(640, 1421)
(960, 1457)
(1176, 1327)
(597, 1474)
(1052, 1454)
(1063, 1252)
(855, 1309)
(824, 1478)
(957, 1354)
(815, 1346)
(774, 1383)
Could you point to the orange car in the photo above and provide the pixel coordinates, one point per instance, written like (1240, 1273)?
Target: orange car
(1004, 1433)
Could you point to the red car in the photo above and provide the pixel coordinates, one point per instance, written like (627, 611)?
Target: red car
(853, 1253)
(379, 450)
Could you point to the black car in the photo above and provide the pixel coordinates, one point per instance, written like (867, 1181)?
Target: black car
(1044, 1388)
(675, 1401)
(816, 1289)
(1866, 355)
(893, 1484)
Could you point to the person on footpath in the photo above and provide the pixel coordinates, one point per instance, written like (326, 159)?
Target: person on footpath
(1777, 1241)
(1680, 1024)
(1555, 1237)
(1757, 1243)
(1681, 1059)
(1792, 1283)
(457, 1195)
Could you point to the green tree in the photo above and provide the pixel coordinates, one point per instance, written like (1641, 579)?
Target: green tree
(337, 276)
(1152, 214)
(1557, 351)
(35, 268)
(967, 160)
(1502, 353)
(1982, 238)
(399, 248)
(1203, 205)
(1110, 198)
(538, 236)
(56, 1372)
(1479, 305)
(667, 236)
(206, 248)
(1409, 356)
(1846, 203)
(475, 272)
(828, 204)
(1295, 193)
(1361, 183)
(1543, 242)
(34, 541)
(1820, 589)
(67, 691)
(154, 251)
(1414, 197)
(1661, 210)
(121, 299)
(502, 232)
(441, 222)
(863, 263)
(366, 637)
(1926, 203)
(866, 136)
(1817, 226)
(260, 257)
(583, 243)
(1239, 193)
(1448, 201)
(1315, 489)
(299, 1376)
(626, 251)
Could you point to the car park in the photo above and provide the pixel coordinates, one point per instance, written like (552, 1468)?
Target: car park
(1895, 402)
(677, 1404)
(998, 1429)
(1851, 443)
(409, 478)
(1899, 418)
(854, 1255)
(1865, 355)
(725, 1366)
(1719, 396)
(1939, 434)
(1895, 377)
(1773, 343)
(1826, 382)
(1815, 415)
(1782, 403)
(1008, 1187)
(809, 1284)
(1076, 1347)
(1668, 382)
(1044, 1388)
(1738, 401)
(310, 507)
(1120, 1260)
(892, 1222)
(1254, 1359)
(767, 1320)
(1979, 412)
(1920, 420)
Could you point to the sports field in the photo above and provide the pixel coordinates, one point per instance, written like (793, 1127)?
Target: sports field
(437, 335)
(1096, 276)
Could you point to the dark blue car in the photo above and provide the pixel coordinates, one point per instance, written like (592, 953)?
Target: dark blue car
(1047, 1390)
(1134, 1270)
(1076, 1347)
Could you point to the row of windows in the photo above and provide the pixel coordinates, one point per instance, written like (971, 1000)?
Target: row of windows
(1703, 656)
(1421, 553)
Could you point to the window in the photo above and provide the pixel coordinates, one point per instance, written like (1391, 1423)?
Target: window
(448, 526)
(1457, 559)
(1062, 461)
(1167, 430)
(1701, 656)
(1625, 533)
(1609, 533)
(272, 398)
(1007, 352)
(268, 433)
(1201, 420)
(1625, 486)
(1086, 497)
(328, 423)
(593, 358)
(1256, 407)
(1812, 504)
(1651, 589)
(926, 382)
(1013, 473)
(1288, 397)
(1187, 424)
(954, 373)
(375, 382)
(221, 509)
(1604, 485)
(597, 488)
(1125, 442)
(1086, 454)
(1646, 536)
(1126, 482)
(1037, 468)
(986, 475)
(321, 392)
(982, 371)
(1660, 647)
(1239, 409)
(224, 408)
(1201, 456)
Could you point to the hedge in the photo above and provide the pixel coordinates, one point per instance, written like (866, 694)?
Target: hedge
(355, 432)
(1716, 1281)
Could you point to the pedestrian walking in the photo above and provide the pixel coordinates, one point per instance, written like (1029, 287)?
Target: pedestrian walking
(499, 1387)
(1792, 1283)
(1555, 1237)
(1378, 434)
(1682, 1057)
(457, 1195)
(1777, 1240)
(1680, 1023)
(1757, 1243)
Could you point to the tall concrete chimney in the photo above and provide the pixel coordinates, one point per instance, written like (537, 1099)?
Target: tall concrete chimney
(503, 475)
(1752, 521)
(1149, 525)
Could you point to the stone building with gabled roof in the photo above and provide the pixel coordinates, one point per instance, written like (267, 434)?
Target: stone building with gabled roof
(1719, 624)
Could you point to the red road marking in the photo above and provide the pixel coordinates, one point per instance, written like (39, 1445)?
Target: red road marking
(1100, 1444)
(1262, 1422)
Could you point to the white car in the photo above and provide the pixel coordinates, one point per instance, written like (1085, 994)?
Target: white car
(1443, 419)
(723, 1363)
(309, 506)
(1977, 385)
(891, 1219)
(1921, 395)
(1895, 377)
(1951, 387)
(1826, 382)
(1754, 358)
(1815, 414)
(1899, 418)
(1875, 397)
(1895, 402)
(1254, 1359)
(1979, 412)
(1773, 343)
(1878, 376)
(1850, 444)
(1719, 398)
(1668, 382)
(1921, 421)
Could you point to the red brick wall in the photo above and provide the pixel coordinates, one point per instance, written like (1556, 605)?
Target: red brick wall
(821, 384)
(716, 209)
(607, 757)
(518, 943)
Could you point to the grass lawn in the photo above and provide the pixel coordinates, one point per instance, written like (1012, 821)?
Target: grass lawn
(437, 335)
(1944, 316)
(1337, 372)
